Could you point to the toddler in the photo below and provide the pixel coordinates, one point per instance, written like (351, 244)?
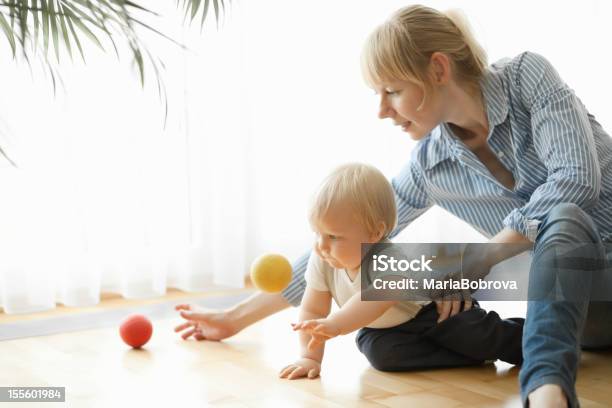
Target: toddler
(356, 205)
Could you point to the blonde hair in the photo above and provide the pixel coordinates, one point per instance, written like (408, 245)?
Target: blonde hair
(401, 48)
(365, 189)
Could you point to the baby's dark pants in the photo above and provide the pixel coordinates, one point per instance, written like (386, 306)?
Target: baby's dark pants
(467, 338)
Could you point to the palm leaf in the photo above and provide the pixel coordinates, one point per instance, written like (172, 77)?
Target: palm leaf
(36, 20)
(65, 23)
(54, 34)
(8, 32)
(22, 21)
(64, 30)
(3, 154)
(45, 18)
(69, 17)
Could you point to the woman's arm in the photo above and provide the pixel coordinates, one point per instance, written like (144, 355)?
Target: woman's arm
(412, 201)
(510, 243)
(518, 244)
(203, 324)
(255, 308)
(563, 140)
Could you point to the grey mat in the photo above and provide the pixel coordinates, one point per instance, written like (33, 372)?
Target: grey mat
(107, 318)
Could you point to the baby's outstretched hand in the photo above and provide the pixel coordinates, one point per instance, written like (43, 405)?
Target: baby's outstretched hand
(304, 367)
(320, 331)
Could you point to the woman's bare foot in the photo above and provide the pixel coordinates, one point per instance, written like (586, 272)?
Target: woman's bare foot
(547, 396)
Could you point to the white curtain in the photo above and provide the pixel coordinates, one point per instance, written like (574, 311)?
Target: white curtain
(107, 199)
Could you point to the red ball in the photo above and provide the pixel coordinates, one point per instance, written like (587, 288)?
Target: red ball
(136, 330)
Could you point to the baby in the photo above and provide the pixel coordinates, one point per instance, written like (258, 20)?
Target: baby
(355, 205)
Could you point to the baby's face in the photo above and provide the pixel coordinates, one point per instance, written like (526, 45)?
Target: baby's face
(339, 237)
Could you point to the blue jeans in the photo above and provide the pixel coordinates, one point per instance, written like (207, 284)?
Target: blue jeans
(563, 313)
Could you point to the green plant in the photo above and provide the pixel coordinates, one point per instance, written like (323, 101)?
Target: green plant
(33, 26)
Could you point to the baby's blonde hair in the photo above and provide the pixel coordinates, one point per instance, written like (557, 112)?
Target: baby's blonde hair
(401, 48)
(367, 192)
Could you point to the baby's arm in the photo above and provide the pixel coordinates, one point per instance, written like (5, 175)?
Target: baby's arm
(357, 313)
(354, 315)
(315, 305)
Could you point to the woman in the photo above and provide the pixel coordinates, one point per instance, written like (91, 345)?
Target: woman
(509, 149)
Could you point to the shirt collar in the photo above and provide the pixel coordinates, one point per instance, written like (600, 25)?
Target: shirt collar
(439, 146)
(494, 94)
(442, 145)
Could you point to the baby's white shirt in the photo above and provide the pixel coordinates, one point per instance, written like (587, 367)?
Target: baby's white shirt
(325, 278)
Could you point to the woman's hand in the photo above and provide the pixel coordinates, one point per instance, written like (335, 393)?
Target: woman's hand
(304, 367)
(205, 325)
(448, 308)
(320, 331)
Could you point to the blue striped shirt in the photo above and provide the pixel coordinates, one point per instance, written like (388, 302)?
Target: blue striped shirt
(539, 130)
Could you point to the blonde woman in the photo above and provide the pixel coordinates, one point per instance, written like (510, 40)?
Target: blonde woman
(510, 149)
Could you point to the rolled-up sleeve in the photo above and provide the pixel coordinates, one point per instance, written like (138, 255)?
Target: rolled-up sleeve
(563, 139)
(294, 292)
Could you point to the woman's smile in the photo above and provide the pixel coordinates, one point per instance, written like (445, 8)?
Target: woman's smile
(406, 126)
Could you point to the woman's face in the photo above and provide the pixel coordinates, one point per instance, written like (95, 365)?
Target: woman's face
(399, 101)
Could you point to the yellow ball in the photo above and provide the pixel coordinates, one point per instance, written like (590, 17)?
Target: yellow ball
(271, 273)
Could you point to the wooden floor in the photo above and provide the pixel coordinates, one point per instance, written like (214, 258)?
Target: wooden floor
(98, 370)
